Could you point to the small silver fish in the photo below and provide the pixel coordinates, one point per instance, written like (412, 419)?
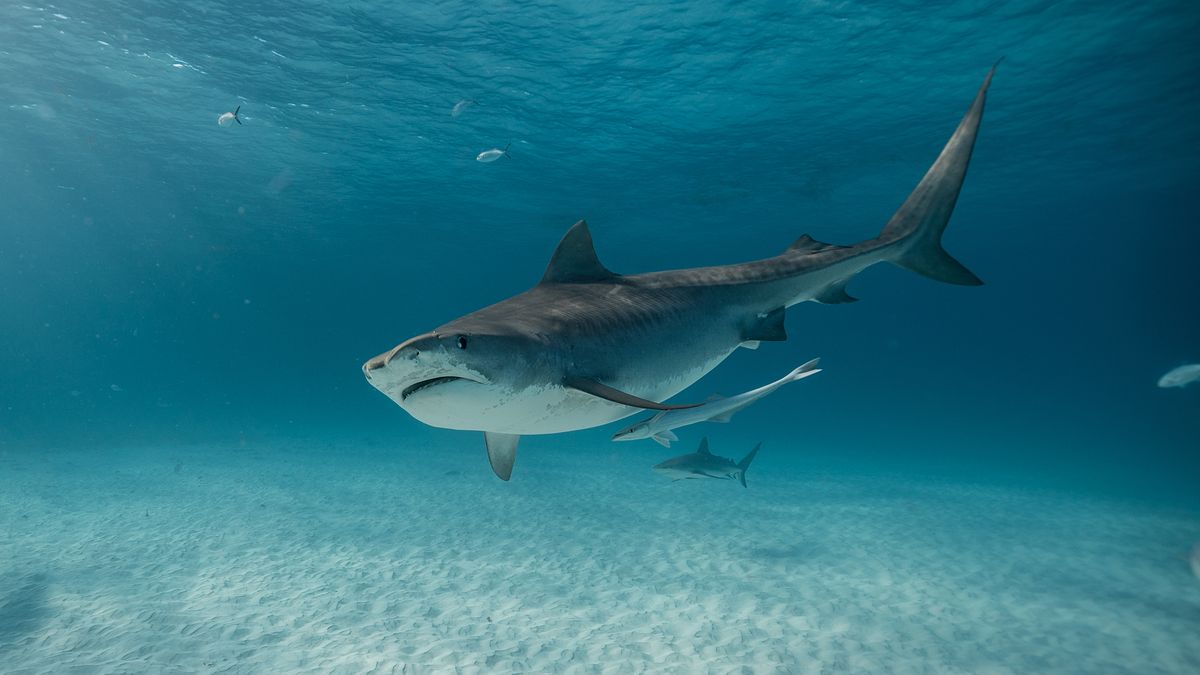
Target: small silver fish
(493, 154)
(461, 106)
(225, 119)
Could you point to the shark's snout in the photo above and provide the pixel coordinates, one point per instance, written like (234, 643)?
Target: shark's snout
(410, 348)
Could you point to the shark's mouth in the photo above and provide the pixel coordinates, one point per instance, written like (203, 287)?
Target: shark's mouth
(425, 384)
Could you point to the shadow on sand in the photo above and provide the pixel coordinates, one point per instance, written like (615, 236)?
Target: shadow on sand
(22, 610)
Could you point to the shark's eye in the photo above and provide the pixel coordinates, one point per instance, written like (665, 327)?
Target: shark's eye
(462, 341)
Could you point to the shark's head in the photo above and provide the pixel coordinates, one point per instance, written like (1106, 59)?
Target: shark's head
(678, 468)
(452, 378)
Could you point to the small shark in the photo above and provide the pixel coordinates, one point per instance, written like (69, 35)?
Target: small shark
(704, 464)
(586, 346)
(716, 409)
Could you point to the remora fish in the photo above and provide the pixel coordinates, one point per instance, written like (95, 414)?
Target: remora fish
(704, 464)
(586, 346)
(659, 427)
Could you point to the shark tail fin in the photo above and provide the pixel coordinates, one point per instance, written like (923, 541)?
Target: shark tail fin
(745, 464)
(917, 226)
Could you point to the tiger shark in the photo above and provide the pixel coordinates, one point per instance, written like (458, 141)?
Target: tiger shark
(586, 346)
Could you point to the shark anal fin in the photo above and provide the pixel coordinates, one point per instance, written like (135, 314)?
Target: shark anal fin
(767, 326)
(575, 261)
(589, 386)
(834, 294)
(502, 452)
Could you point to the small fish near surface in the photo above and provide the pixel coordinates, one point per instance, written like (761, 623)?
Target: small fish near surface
(1181, 376)
(461, 106)
(716, 409)
(492, 155)
(225, 119)
(704, 464)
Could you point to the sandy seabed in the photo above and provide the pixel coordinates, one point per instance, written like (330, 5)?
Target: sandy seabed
(328, 558)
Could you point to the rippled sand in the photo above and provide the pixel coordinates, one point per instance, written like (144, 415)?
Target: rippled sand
(335, 559)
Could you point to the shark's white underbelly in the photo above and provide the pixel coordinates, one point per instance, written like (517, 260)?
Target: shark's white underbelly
(545, 409)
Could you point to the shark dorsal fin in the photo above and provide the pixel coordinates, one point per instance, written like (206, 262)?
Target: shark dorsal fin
(575, 261)
(703, 450)
(807, 244)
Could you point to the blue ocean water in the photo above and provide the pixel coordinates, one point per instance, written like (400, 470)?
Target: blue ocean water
(173, 287)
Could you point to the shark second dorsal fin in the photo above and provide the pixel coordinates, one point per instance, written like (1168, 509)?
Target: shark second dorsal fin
(703, 449)
(806, 244)
(575, 261)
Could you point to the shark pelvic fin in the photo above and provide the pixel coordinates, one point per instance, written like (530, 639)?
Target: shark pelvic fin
(502, 452)
(575, 261)
(589, 386)
(767, 326)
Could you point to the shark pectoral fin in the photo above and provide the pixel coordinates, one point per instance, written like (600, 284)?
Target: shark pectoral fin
(606, 392)
(750, 344)
(669, 435)
(768, 326)
(502, 452)
(663, 440)
(834, 294)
